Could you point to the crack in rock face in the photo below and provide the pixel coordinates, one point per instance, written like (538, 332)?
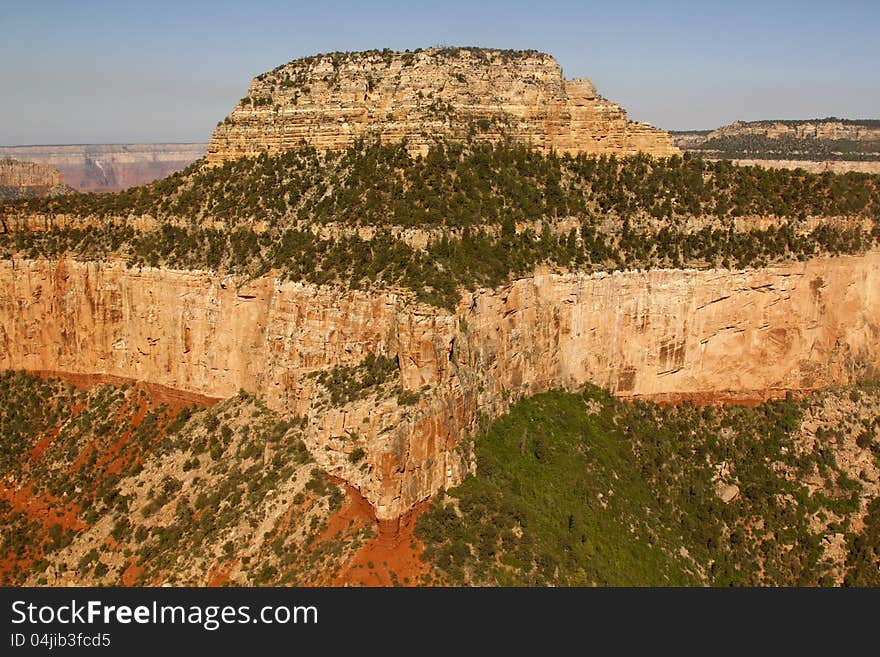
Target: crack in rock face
(648, 334)
(329, 101)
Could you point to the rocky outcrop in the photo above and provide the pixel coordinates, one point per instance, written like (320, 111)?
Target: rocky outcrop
(832, 129)
(28, 174)
(816, 145)
(329, 101)
(26, 179)
(110, 167)
(659, 334)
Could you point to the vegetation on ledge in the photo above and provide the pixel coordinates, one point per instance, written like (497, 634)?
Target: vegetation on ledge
(494, 211)
(583, 489)
(345, 383)
(762, 147)
(471, 184)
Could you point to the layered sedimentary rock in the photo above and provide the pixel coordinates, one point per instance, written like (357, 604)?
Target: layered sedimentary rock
(14, 173)
(832, 129)
(816, 145)
(329, 101)
(25, 179)
(110, 167)
(663, 333)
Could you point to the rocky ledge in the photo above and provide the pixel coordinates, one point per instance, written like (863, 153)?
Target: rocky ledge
(329, 101)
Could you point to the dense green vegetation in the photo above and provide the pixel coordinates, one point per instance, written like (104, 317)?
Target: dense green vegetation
(12, 193)
(863, 561)
(579, 489)
(345, 383)
(494, 210)
(437, 273)
(752, 145)
(458, 185)
(789, 148)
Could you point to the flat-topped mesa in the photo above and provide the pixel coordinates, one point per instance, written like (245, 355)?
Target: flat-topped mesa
(329, 101)
(865, 130)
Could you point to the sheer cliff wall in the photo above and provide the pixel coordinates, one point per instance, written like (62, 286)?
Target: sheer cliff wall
(659, 334)
(329, 101)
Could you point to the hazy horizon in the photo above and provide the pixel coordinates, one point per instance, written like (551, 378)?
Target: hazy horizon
(99, 72)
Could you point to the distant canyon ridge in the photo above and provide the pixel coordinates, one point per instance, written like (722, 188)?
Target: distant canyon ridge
(27, 179)
(816, 145)
(108, 167)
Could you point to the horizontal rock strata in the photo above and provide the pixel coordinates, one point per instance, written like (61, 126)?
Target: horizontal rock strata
(663, 333)
(329, 101)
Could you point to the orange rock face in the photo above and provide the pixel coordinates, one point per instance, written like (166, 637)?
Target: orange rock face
(38, 179)
(329, 101)
(661, 334)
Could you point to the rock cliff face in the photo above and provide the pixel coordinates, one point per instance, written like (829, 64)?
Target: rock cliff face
(21, 179)
(28, 174)
(660, 334)
(110, 167)
(868, 131)
(328, 101)
(816, 145)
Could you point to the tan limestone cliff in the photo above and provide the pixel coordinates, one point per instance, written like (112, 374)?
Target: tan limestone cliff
(816, 129)
(661, 334)
(30, 178)
(807, 144)
(328, 101)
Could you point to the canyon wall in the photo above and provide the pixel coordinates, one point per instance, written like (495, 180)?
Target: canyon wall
(815, 145)
(14, 173)
(25, 179)
(659, 334)
(814, 166)
(867, 131)
(110, 167)
(328, 101)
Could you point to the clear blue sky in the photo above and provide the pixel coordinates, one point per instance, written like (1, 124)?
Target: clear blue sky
(90, 71)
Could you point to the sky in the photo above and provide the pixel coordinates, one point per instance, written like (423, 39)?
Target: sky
(92, 71)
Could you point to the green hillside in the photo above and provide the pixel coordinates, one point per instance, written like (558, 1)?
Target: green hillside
(583, 489)
(490, 212)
